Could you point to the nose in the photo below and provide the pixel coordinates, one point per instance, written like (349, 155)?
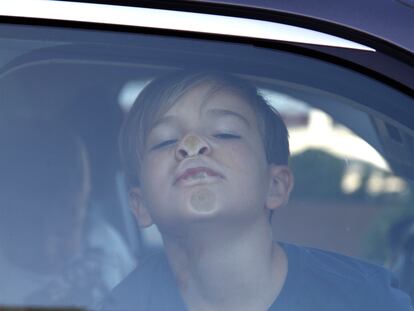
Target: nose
(191, 146)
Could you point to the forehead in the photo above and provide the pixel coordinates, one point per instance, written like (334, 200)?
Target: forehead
(213, 100)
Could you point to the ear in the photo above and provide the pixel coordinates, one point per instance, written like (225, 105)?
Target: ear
(281, 183)
(138, 208)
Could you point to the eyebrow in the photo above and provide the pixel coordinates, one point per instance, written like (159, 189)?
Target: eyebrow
(218, 112)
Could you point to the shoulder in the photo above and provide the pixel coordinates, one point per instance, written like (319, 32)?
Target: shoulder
(352, 281)
(135, 290)
(337, 265)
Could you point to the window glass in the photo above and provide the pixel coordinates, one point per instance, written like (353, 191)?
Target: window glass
(68, 236)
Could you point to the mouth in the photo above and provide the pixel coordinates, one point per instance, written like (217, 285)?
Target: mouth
(198, 174)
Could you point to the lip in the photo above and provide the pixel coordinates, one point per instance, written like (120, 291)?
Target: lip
(191, 171)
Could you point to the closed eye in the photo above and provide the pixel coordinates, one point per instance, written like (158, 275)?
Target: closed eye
(226, 136)
(164, 144)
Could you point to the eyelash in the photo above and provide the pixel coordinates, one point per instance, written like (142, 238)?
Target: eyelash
(224, 136)
(227, 136)
(164, 144)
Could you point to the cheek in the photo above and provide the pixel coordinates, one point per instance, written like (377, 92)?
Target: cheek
(245, 157)
(249, 165)
(155, 171)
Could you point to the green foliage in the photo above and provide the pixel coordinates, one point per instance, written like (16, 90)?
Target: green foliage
(317, 174)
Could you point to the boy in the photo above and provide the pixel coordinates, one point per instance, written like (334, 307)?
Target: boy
(206, 159)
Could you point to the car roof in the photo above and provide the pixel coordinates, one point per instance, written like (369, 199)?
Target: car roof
(391, 20)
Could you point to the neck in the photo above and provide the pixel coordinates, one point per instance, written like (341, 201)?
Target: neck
(225, 269)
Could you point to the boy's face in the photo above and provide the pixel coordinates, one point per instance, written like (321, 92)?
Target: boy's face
(205, 161)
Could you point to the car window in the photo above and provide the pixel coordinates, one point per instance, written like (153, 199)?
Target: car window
(68, 236)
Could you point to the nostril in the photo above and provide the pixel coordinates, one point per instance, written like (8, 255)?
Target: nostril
(203, 150)
(182, 153)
